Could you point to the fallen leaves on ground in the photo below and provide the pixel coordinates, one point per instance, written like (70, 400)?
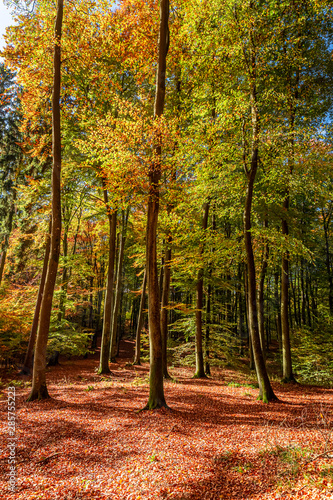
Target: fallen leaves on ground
(217, 442)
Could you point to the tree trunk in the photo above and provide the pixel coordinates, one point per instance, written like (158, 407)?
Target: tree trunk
(303, 293)
(164, 305)
(326, 222)
(287, 374)
(137, 360)
(156, 390)
(27, 365)
(277, 308)
(209, 303)
(261, 319)
(199, 359)
(265, 389)
(99, 299)
(208, 323)
(240, 322)
(108, 302)
(63, 287)
(247, 320)
(39, 388)
(156, 394)
(2, 262)
(113, 347)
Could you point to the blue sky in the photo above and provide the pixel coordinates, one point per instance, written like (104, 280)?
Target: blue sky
(5, 20)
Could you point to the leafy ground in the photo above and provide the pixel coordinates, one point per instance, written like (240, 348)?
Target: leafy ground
(217, 442)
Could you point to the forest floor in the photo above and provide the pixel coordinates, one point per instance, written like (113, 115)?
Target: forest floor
(217, 442)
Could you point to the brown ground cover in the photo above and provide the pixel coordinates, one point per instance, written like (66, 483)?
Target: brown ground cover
(216, 442)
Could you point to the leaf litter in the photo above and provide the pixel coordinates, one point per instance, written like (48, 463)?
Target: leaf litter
(216, 442)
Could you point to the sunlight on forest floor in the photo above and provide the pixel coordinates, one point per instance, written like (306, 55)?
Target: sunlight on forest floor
(217, 442)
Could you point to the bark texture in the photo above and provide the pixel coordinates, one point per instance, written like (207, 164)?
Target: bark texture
(137, 355)
(199, 358)
(164, 305)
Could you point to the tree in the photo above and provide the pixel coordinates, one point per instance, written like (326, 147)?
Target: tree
(108, 305)
(39, 388)
(10, 157)
(113, 343)
(156, 391)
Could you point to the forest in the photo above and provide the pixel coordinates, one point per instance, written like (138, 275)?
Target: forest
(166, 249)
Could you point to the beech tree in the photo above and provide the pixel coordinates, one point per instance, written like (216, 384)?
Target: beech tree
(109, 295)
(39, 388)
(156, 392)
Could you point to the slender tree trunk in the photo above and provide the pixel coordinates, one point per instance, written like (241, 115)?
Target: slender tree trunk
(297, 307)
(137, 355)
(208, 323)
(156, 390)
(39, 388)
(268, 323)
(240, 321)
(2, 262)
(227, 302)
(161, 278)
(209, 303)
(113, 347)
(265, 389)
(261, 319)
(277, 308)
(27, 365)
(63, 287)
(91, 303)
(247, 319)
(99, 298)
(164, 305)
(326, 222)
(199, 358)
(313, 301)
(108, 302)
(307, 299)
(303, 297)
(287, 374)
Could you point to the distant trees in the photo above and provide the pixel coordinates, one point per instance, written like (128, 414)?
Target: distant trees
(11, 158)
